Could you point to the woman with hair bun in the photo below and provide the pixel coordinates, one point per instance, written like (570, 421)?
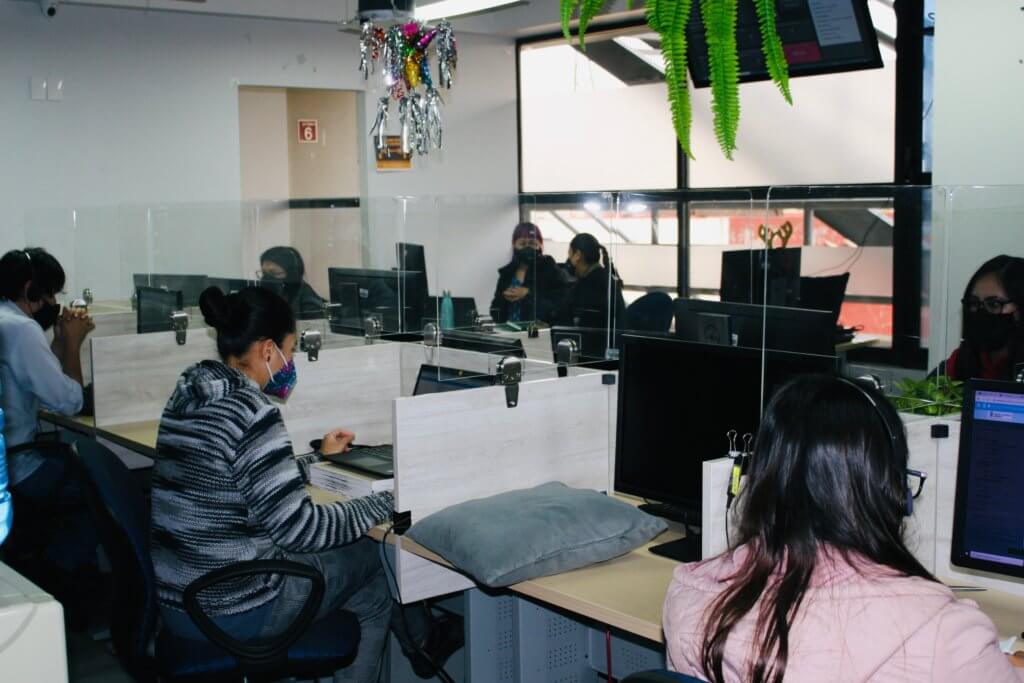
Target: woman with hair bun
(227, 488)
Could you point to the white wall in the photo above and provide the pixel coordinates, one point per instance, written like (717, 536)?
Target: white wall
(979, 92)
(150, 116)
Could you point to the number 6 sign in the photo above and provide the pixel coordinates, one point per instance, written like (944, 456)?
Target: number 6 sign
(308, 130)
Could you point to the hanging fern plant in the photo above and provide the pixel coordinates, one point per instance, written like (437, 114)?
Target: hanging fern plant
(668, 18)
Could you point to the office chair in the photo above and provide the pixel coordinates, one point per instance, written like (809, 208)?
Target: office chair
(824, 293)
(122, 519)
(650, 313)
(660, 676)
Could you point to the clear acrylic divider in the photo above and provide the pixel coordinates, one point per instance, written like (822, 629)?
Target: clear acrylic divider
(981, 279)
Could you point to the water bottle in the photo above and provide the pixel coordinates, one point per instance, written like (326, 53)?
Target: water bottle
(447, 311)
(6, 511)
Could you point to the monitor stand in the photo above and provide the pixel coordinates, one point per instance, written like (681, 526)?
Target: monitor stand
(684, 550)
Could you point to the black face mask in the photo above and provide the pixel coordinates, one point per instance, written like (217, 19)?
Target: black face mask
(526, 255)
(988, 332)
(281, 285)
(47, 315)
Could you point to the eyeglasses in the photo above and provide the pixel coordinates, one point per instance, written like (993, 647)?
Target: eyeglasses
(991, 304)
(915, 488)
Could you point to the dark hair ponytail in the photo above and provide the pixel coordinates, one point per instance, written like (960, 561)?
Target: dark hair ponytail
(593, 251)
(827, 473)
(245, 317)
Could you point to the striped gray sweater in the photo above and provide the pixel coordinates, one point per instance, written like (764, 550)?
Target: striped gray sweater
(227, 488)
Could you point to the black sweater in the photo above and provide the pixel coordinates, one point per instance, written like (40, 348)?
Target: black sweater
(548, 286)
(587, 303)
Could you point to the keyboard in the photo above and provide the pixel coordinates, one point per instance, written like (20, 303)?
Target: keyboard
(383, 452)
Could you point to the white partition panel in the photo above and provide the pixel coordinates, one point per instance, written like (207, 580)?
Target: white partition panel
(134, 375)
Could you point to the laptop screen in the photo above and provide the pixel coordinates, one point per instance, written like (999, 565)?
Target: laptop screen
(989, 520)
(434, 379)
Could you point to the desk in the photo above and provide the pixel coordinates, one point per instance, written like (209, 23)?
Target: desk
(83, 424)
(136, 436)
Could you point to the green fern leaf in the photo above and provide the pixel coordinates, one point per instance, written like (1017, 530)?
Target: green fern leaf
(566, 8)
(668, 18)
(629, 5)
(771, 45)
(588, 10)
(720, 32)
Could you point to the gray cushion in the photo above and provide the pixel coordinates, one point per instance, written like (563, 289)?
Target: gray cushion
(524, 534)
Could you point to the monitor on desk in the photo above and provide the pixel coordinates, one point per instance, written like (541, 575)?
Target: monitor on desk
(988, 517)
(396, 297)
(677, 400)
(434, 379)
(748, 273)
(155, 308)
(229, 285)
(190, 286)
(494, 344)
(795, 330)
(412, 258)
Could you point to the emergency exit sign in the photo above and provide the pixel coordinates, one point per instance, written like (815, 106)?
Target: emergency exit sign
(309, 130)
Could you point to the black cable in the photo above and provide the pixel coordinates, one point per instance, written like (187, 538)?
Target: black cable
(439, 670)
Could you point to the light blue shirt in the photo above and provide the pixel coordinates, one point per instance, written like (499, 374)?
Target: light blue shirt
(31, 376)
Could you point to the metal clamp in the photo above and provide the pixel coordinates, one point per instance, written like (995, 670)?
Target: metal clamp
(87, 296)
(179, 323)
(510, 374)
(532, 332)
(432, 335)
(328, 308)
(567, 352)
(373, 326)
(311, 342)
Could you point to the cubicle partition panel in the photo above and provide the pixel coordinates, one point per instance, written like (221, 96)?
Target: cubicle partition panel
(350, 388)
(134, 375)
(462, 445)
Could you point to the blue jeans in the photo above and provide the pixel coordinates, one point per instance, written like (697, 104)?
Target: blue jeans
(354, 581)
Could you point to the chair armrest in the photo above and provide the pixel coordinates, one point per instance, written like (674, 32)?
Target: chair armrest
(262, 652)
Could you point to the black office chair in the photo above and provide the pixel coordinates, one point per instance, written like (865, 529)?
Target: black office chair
(660, 676)
(122, 518)
(650, 313)
(824, 293)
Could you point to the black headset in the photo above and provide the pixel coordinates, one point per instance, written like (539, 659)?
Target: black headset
(33, 293)
(891, 431)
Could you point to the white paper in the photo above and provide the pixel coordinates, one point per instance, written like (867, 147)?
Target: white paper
(834, 21)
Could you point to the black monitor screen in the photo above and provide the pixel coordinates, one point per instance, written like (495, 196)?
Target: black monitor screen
(435, 380)
(412, 257)
(794, 330)
(190, 286)
(384, 293)
(988, 523)
(818, 36)
(480, 342)
(154, 309)
(677, 400)
(746, 272)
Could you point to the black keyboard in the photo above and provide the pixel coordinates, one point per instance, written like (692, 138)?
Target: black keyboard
(385, 451)
(671, 512)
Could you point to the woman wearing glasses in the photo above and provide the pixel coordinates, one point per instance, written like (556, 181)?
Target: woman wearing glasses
(993, 337)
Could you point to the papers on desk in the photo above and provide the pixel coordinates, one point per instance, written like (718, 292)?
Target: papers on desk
(349, 483)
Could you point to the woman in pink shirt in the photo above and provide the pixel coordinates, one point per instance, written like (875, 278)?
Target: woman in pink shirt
(819, 585)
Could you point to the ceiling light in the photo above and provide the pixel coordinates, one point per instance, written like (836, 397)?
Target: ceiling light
(457, 8)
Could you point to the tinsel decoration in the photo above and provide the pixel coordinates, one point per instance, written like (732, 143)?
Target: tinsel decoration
(403, 54)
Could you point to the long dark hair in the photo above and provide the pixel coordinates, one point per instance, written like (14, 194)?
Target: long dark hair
(290, 261)
(35, 265)
(826, 472)
(245, 317)
(1009, 271)
(593, 251)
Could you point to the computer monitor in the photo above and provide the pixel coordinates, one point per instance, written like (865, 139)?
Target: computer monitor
(677, 401)
(745, 272)
(154, 308)
(345, 316)
(493, 344)
(394, 296)
(464, 308)
(817, 38)
(190, 286)
(412, 258)
(988, 517)
(824, 293)
(434, 379)
(795, 330)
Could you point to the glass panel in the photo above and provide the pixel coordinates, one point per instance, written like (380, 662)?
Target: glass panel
(596, 120)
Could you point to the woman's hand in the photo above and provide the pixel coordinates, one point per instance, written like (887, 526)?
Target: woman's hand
(514, 294)
(337, 441)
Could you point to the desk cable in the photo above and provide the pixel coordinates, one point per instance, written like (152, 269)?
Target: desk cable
(439, 671)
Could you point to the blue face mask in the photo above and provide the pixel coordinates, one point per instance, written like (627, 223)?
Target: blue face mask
(283, 381)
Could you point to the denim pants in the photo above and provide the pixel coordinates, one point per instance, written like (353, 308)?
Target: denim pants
(354, 581)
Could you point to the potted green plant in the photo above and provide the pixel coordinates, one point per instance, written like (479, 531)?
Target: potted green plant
(934, 396)
(668, 18)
